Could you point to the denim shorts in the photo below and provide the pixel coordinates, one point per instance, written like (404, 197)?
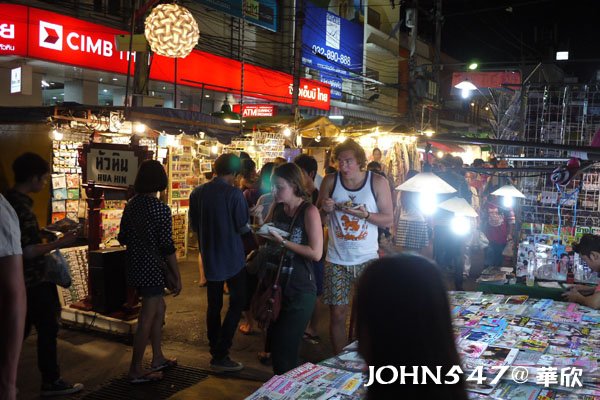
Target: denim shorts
(150, 291)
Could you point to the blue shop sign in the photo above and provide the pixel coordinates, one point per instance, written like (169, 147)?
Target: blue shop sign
(259, 12)
(331, 43)
(336, 85)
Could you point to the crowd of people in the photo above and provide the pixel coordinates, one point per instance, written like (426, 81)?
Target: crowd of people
(321, 244)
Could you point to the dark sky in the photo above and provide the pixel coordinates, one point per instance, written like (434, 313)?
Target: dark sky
(507, 31)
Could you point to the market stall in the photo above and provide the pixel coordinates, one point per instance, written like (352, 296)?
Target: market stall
(492, 332)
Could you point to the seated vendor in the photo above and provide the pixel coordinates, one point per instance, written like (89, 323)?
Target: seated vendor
(589, 250)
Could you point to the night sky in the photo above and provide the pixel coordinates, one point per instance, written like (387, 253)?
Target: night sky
(530, 30)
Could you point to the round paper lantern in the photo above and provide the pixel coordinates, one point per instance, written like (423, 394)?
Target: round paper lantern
(171, 31)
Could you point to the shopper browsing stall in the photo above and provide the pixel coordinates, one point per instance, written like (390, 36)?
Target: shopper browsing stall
(589, 250)
(304, 245)
(31, 175)
(146, 230)
(355, 202)
(386, 336)
(219, 215)
(13, 301)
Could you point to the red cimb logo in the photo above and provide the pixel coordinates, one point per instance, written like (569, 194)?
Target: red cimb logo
(51, 35)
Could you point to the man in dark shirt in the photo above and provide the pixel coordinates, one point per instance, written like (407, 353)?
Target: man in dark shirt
(43, 308)
(219, 215)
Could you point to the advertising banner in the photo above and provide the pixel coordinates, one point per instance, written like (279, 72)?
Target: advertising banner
(335, 83)
(259, 12)
(331, 43)
(39, 34)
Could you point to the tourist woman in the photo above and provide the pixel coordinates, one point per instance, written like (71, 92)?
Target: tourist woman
(146, 230)
(301, 247)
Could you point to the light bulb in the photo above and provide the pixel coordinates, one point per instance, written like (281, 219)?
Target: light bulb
(465, 93)
(460, 225)
(507, 201)
(140, 128)
(287, 132)
(427, 203)
(214, 149)
(58, 135)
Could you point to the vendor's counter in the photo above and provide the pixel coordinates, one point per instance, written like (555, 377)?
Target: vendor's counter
(519, 348)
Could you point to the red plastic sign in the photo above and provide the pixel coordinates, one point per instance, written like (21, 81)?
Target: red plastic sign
(35, 33)
(256, 110)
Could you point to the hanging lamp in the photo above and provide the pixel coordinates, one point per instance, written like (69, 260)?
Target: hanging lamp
(171, 31)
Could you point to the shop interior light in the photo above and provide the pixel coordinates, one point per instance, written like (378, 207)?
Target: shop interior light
(440, 154)
(429, 132)
(459, 206)
(508, 201)
(426, 182)
(466, 88)
(45, 84)
(57, 135)
(508, 190)
(214, 149)
(338, 117)
(318, 138)
(341, 138)
(171, 31)
(287, 132)
(139, 128)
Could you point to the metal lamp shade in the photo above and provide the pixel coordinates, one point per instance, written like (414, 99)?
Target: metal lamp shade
(426, 182)
(171, 31)
(508, 191)
(459, 206)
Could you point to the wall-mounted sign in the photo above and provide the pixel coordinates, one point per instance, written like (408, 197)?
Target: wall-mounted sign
(256, 110)
(259, 12)
(335, 83)
(21, 80)
(58, 38)
(330, 42)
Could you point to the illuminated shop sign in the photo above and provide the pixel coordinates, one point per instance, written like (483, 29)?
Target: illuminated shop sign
(335, 83)
(331, 43)
(39, 34)
(256, 110)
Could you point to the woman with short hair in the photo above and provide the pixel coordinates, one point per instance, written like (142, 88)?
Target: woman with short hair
(146, 230)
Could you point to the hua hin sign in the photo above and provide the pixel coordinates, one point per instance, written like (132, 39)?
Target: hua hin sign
(112, 165)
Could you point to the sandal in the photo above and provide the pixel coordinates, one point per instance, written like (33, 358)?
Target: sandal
(167, 364)
(146, 378)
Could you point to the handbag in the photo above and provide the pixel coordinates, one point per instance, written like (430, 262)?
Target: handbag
(266, 302)
(57, 269)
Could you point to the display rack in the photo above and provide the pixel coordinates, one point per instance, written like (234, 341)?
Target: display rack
(66, 182)
(77, 257)
(180, 166)
(568, 115)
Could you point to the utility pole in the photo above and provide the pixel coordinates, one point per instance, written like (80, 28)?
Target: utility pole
(412, 18)
(439, 19)
(298, 22)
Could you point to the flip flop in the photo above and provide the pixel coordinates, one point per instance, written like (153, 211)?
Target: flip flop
(146, 378)
(167, 364)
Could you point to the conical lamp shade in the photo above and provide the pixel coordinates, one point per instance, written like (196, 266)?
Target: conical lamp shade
(508, 191)
(426, 182)
(459, 206)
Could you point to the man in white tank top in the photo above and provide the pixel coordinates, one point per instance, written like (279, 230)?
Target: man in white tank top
(354, 202)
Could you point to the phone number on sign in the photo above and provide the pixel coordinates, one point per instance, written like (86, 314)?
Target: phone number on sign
(332, 55)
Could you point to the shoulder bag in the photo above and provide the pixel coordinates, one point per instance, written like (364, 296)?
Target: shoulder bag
(57, 269)
(266, 302)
